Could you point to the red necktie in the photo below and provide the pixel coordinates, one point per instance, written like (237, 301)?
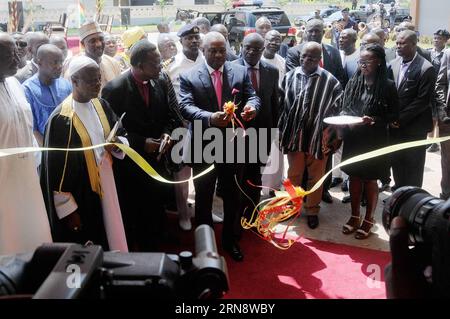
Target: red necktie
(217, 81)
(254, 78)
(321, 63)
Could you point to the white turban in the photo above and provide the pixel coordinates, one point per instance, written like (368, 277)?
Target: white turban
(79, 63)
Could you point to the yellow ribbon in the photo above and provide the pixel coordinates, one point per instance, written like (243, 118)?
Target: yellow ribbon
(138, 159)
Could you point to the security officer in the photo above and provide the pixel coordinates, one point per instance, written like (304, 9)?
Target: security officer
(184, 61)
(190, 55)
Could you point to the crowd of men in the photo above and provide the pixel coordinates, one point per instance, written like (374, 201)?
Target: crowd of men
(50, 98)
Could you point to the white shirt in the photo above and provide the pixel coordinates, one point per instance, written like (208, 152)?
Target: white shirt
(181, 64)
(279, 62)
(350, 62)
(23, 218)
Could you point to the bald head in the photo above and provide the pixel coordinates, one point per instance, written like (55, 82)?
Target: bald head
(406, 25)
(221, 29)
(310, 57)
(61, 43)
(35, 40)
(380, 33)
(370, 38)
(314, 30)
(9, 59)
(252, 48)
(214, 49)
(406, 44)
(263, 25)
(50, 59)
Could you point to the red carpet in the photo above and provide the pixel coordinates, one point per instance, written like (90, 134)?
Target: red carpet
(310, 269)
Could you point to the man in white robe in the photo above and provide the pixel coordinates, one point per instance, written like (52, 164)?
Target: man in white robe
(23, 219)
(81, 189)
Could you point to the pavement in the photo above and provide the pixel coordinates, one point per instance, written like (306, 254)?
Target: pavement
(334, 216)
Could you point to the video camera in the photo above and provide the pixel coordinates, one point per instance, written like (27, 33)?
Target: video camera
(429, 230)
(72, 271)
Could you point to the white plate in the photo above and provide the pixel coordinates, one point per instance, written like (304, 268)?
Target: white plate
(343, 120)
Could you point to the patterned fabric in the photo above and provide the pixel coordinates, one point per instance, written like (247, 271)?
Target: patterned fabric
(306, 101)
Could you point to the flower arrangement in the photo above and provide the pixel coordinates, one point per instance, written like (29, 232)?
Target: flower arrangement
(230, 108)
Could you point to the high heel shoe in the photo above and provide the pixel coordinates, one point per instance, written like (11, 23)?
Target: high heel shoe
(349, 228)
(365, 230)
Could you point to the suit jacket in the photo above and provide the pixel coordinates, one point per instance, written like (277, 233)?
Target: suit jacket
(268, 93)
(198, 98)
(391, 53)
(331, 61)
(414, 93)
(442, 92)
(141, 120)
(26, 72)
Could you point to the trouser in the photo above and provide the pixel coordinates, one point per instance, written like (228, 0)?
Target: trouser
(444, 130)
(299, 162)
(273, 172)
(182, 192)
(337, 159)
(227, 174)
(408, 165)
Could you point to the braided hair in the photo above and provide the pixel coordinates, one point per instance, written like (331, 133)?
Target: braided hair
(356, 86)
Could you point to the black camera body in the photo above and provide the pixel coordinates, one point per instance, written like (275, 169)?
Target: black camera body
(428, 221)
(72, 271)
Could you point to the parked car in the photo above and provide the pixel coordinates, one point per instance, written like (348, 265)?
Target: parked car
(240, 21)
(324, 13)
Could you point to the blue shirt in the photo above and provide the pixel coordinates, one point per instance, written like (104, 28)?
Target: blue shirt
(44, 99)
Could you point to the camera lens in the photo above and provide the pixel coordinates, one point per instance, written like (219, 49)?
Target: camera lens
(422, 212)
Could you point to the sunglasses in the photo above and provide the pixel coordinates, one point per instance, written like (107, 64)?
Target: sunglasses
(21, 44)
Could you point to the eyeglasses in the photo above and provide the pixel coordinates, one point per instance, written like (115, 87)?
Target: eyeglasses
(365, 63)
(21, 44)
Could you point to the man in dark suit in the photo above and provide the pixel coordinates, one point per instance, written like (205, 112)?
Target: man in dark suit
(406, 25)
(443, 105)
(203, 92)
(148, 98)
(224, 31)
(415, 79)
(331, 61)
(264, 79)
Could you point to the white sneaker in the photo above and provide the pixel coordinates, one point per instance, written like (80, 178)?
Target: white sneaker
(216, 219)
(185, 224)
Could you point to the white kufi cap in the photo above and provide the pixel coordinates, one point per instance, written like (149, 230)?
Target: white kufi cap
(79, 63)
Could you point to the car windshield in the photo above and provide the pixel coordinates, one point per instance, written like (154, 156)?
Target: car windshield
(276, 18)
(335, 16)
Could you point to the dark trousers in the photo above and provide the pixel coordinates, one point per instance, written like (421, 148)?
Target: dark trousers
(204, 195)
(408, 165)
(444, 130)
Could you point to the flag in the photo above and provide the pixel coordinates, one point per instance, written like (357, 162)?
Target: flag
(82, 12)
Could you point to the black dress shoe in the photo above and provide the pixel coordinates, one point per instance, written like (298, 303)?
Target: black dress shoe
(335, 182)
(346, 199)
(326, 197)
(313, 221)
(234, 251)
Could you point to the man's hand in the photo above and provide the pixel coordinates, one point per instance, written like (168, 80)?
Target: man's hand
(151, 145)
(166, 143)
(73, 221)
(368, 120)
(249, 113)
(113, 148)
(220, 119)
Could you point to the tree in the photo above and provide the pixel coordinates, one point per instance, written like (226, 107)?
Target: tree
(226, 4)
(162, 4)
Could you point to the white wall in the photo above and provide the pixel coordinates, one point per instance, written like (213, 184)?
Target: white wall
(433, 15)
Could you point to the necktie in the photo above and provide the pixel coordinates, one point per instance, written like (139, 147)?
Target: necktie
(254, 78)
(217, 81)
(321, 63)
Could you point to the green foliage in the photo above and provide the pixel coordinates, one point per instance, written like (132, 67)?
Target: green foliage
(162, 5)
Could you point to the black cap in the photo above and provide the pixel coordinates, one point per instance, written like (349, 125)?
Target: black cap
(188, 29)
(345, 10)
(443, 32)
